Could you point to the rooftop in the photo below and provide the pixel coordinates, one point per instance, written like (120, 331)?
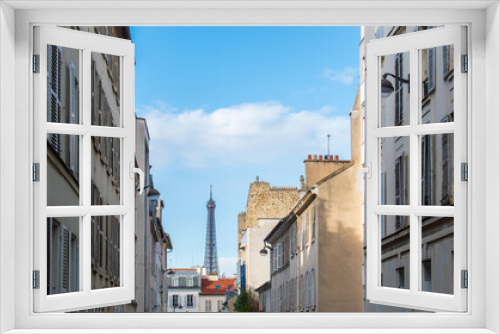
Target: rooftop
(218, 287)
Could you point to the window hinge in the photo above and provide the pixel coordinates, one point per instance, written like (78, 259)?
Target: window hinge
(465, 64)
(36, 172)
(465, 279)
(36, 63)
(36, 279)
(464, 167)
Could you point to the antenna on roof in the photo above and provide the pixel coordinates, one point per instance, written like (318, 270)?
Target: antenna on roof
(328, 135)
(210, 191)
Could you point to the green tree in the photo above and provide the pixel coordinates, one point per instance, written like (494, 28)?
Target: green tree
(246, 302)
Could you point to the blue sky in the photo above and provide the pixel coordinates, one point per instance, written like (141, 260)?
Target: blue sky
(225, 104)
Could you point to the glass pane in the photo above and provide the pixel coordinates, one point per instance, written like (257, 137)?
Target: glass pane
(395, 89)
(437, 254)
(394, 158)
(437, 90)
(63, 255)
(63, 92)
(437, 169)
(105, 86)
(105, 252)
(395, 251)
(106, 171)
(63, 169)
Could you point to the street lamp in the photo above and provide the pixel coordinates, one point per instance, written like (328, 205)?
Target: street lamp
(386, 86)
(263, 251)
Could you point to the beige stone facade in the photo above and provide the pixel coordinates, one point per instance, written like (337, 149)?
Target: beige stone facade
(265, 206)
(317, 247)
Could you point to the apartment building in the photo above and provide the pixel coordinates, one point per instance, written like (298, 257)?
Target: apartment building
(266, 205)
(215, 292)
(317, 247)
(184, 285)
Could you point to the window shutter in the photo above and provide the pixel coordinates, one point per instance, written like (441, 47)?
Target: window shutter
(446, 60)
(286, 250)
(65, 257)
(313, 229)
(399, 92)
(73, 152)
(314, 287)
(431, 69)
(54, 64)
(49, 256)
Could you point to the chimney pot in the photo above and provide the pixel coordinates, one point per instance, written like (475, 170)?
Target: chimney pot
(315, 157)
(320, 157)
(336, 157)
(309, 157)
(331, 157)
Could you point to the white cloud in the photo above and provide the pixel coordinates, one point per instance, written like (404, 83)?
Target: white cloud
(227, 266)
(345, 76)
(245, 133)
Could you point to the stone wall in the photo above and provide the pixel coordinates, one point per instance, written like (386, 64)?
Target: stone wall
(265, 201)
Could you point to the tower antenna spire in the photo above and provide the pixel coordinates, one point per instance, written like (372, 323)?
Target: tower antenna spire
(328, 135)
(210, 191)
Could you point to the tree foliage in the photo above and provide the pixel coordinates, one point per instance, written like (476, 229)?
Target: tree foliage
(246, 302)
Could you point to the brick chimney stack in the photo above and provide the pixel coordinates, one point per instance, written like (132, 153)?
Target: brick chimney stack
(320, 166)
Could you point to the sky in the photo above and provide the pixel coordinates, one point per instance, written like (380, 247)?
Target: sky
(227, 104)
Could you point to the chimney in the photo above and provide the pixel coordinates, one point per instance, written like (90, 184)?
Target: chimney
(319, 167)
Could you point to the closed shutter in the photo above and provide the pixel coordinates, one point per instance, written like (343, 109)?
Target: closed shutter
(446, 60)
(399, 93)
(54, 74)
(73, 109)
(445, 188)
(313, 229)
(313, 280)
(49, 255)
(309, 290)
(431, 69)
(286, 250)
(65, 258)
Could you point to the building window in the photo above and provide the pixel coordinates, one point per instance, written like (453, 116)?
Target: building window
(426, 276)
(219, 306)
(208, 306)
(175, 282)
(175, 300)
(189, 301)
(400, 275)
(426, 171)
(189, 282)
(399, 184)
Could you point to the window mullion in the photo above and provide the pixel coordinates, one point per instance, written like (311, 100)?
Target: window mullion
(413, 158)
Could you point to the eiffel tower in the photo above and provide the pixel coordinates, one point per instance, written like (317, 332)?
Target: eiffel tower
(211, 260)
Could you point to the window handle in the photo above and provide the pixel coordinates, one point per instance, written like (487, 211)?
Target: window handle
(135, 170)
(365, 170)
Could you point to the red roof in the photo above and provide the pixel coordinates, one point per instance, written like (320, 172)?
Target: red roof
(218, 287)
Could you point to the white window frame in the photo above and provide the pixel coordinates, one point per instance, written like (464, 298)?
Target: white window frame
(86, 297)
(16, 18)
(412, 294)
